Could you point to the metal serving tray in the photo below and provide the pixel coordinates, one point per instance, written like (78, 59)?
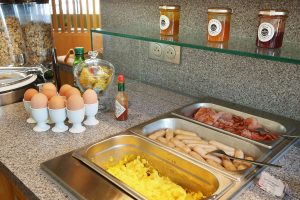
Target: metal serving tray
(188, 112)
(187, 174)
(168, 121)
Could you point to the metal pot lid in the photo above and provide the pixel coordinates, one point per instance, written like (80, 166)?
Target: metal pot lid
(12, 80)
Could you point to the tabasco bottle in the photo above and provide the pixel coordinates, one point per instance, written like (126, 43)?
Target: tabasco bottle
(121, 103)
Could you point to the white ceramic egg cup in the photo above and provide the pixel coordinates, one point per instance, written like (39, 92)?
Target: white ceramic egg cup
(76, 117)
(90, 111)
(40, 116)
(30, 120)
(58, 117)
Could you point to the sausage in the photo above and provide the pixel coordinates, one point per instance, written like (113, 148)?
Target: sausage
(247, 163)
(227, 149)
(194, 141)
(215, 164)
(169, 134)
(183, 132)
(162, 140)
(196, 156)
(187, 137)
(191, 145)
(157, 134)
(207, 147)
(214, 158)
(170, 144)
(177, 143)
(200, 151)
(186, 149)
(238, 154)
(242, 167)
(228, 164)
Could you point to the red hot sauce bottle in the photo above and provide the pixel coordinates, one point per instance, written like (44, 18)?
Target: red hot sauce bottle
(121, 103)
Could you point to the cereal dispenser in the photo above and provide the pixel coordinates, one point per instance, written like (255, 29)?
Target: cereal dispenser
(35, 19)
(12, 45)
(25, 33)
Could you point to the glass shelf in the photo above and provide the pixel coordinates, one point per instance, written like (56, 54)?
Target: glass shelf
(288, 53)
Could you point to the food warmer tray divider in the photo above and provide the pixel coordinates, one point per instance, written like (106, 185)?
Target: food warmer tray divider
(170, 121)
(98, 156)
(277, 123)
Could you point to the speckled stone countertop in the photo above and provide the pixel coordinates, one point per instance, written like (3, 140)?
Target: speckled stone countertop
(22, 150)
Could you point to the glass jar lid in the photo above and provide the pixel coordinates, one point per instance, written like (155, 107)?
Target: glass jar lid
(169, 7)
(273, 12)
(220, 10)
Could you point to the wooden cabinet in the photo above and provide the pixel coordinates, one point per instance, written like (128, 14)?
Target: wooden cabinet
(9, 191)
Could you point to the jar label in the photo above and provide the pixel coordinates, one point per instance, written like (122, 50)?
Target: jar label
(164, 22)
(266, 32)
(214, 27)
(119, 109)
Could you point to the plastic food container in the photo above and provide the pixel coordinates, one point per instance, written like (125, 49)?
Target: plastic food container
(219, 24)
(169, 19)
(271, 28)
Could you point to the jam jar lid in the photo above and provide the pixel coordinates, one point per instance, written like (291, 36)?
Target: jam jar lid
(169, 7)
(273, 12)
(220, 10)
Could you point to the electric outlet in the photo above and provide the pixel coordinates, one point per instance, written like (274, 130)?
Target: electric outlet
(164, 52)
(155, 50)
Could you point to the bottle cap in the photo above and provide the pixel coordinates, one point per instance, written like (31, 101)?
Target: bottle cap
(79, 50)
(121, 78)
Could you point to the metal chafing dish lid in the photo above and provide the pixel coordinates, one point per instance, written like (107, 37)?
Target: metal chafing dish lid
(14, 79)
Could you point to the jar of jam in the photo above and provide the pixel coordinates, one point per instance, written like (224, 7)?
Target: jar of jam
(271, 28)
(219, 24)
(169, 19)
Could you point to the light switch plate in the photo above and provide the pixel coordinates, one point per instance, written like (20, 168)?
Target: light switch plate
(165, 52)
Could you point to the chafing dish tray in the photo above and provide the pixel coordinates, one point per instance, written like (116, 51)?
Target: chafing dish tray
(188, 112)
(168, 121)
(187, 174)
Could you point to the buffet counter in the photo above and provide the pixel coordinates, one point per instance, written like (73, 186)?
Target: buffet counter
(22, 150)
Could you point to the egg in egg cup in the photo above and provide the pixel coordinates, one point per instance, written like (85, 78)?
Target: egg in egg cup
(40, 115)
(58, 116)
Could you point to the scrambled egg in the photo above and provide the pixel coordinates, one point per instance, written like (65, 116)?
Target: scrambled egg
(138, 175)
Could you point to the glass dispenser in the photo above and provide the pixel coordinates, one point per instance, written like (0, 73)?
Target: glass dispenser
(12, 46)
(35, 20)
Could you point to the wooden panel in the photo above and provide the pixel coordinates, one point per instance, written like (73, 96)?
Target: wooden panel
(69, 25)
(94, 15)
(88, 17)
(81, 16)
(75, 17)
(61, 17)
(6, 189)
(54, 17)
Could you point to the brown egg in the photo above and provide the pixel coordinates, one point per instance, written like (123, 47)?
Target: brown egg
(57, 102)
(29, 94)
(39, 101)
(63, 90)
(75, 102)
(72, 91)
(89, 96)
(49, 93)
(49, 86)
